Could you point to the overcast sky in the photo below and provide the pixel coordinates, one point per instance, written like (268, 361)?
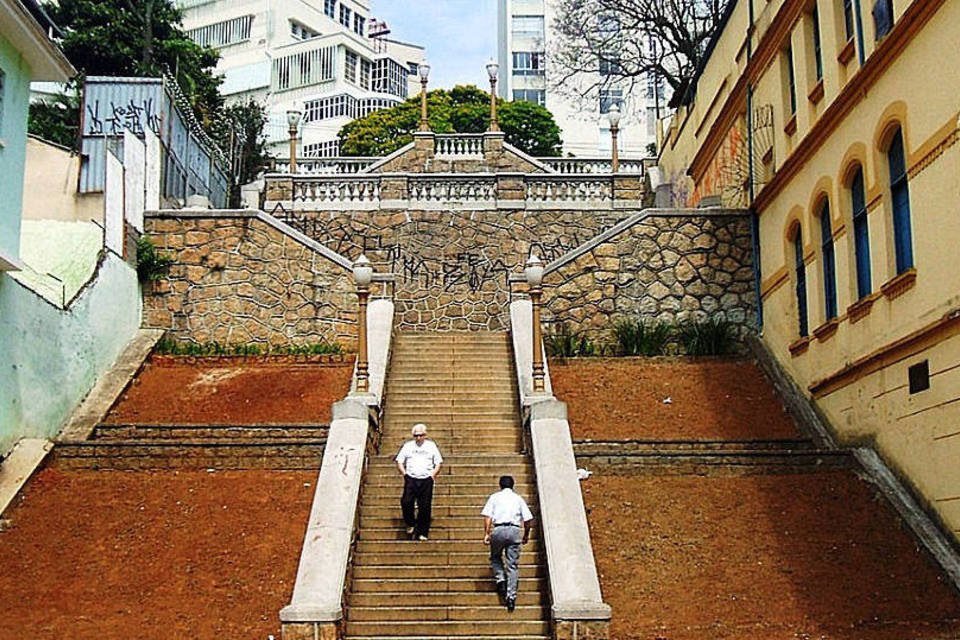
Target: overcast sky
(460, 35)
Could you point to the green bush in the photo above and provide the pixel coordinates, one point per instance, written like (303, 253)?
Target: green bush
(636, 337)
(151, 264)
(714, 336)
(174, 348)
(562, 343)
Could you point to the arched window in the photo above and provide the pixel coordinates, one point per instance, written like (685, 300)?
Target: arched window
(801, 282)
(861, 233)
(900, 202)
(829, 263)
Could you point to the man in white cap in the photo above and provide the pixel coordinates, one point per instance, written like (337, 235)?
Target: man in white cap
(419, 462)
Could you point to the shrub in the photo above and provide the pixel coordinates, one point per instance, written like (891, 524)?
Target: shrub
(151, 264)
(709, 337)
(174, 348)
(636, 337)
(563, 343)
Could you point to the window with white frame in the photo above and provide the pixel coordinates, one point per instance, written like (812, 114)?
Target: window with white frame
(303, 68)
(359, 22)
(365, 73)
(537, 96)
(301, 32)
(390, 77)
(610, 97)
(527, 27)
(330, 8)
(528, 63)
(345, 14)
(350, 68)
(222, 34)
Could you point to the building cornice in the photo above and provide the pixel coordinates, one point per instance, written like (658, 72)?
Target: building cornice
(46, 61)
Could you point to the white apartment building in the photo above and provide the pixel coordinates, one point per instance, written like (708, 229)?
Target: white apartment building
(524, 33)
(328, 58)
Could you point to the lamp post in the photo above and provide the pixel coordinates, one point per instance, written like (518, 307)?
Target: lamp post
(362, 275)
(293, 122)
(424, 76)
(614, 116)
(492, 69)
(534, 275)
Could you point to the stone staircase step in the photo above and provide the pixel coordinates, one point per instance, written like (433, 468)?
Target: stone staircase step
(428, 611)
(440, 532)
(441, 584)
(486, 479)
(441, 598)
(436, 556)
(384, 463)
(439, 522)
(189, 454)
(388, 499)
(444, 629)
(216, 432)
(471, 544)
(439, 510)
(473, 637)
(479, 571)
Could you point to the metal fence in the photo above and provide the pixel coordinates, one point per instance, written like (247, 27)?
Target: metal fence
(192, 163)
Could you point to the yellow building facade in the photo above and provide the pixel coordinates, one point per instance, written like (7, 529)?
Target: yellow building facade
(837, 122)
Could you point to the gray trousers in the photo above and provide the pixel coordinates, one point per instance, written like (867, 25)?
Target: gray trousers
(505, 556)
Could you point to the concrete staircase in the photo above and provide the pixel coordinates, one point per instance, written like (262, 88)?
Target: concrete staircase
(461, 385)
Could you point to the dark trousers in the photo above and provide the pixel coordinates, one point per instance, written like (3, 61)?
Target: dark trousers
(417, 493)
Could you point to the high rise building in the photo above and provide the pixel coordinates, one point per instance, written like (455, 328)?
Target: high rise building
(328, 58)
(524, 38)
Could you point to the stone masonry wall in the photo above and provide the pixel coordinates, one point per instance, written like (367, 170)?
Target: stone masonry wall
(452, 267)
(665, 267)
(239, 280)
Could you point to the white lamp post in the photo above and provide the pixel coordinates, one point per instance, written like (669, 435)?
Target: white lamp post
(614, 116)
(424, 77)
(534, 275)
(293, 122)
(492, 69)
(362, 275)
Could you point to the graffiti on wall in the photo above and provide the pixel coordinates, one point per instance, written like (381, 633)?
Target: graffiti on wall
(113, 118)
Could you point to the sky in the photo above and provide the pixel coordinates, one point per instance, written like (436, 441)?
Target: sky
(460, 35)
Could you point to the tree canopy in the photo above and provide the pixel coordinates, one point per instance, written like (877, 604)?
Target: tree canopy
(626, 43)
(463, 109)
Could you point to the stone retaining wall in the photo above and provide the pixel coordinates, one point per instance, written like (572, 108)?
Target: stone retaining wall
(241, 280)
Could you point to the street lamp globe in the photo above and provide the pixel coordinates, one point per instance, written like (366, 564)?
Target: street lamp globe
(534, 271)
(492, 68)
(614, 116)
(424, 71)
(362, 271)
(293, 117)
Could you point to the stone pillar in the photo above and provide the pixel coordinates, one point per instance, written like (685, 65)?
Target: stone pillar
(628, 187)
(511, 191)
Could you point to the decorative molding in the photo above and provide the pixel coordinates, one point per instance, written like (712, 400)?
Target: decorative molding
(791, 127)
(861, 308)
(799, 347)
(846, 54)
(827, 330)
(774, 282)
(899, 284)
(934, 147)
(816, 94)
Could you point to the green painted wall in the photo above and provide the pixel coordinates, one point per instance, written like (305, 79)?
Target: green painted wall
(13, 148)
(51, 357)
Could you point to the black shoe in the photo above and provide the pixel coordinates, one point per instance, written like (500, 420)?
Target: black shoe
(511, 604)
(502, 588)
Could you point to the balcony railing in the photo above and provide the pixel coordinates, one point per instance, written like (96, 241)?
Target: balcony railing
(594, 165)
(451, 191)
(459, 145)
(324, 166)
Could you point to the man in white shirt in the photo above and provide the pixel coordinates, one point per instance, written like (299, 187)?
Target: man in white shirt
(419, 462)
(504, 516)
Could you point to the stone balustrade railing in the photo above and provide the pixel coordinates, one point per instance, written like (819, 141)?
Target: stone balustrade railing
(569, 188)
(324, 166)
(595, 165)
(452, 191)
(440, 188)
(351, 192)
(459, 145)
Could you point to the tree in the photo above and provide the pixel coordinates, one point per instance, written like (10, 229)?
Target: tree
(57, 120)
(606, 43)
(239, 132)
(463, 109)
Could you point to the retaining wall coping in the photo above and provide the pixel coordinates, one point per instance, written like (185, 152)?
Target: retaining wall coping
(321, 575)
